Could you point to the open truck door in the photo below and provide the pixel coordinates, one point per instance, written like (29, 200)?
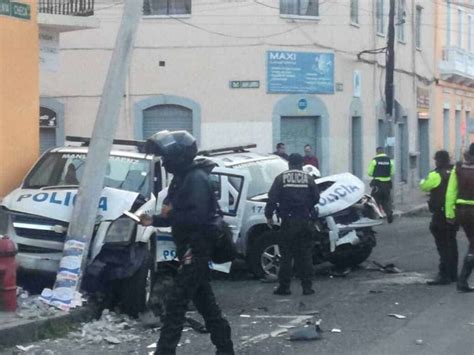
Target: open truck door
(230, 187)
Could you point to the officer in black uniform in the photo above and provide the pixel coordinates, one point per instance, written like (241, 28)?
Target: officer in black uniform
(381, 170)
(295, 194)
(189, 210)
(444, 233)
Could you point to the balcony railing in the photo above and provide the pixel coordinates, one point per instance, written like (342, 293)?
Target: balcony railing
(457, 64)
(67, 7)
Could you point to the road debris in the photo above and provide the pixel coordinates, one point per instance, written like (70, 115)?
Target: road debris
(388, 268)
(336, 330)
(197, 326)
(398, 316)
(340, 272)
(31, 307)
(245, 316)
(111, 327)
(308, 331)
(419, 342)
(26, 348)
(309, 312)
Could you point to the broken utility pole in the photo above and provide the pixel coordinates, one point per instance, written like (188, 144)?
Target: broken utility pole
(84, 214)
(389, 86)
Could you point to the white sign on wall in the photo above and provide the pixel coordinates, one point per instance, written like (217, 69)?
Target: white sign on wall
(49, 51)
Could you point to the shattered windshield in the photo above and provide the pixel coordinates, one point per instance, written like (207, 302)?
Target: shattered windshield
(66, 169)
(262, 173)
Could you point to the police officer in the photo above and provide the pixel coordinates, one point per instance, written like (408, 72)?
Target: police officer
(295, 194)
(381, 170)
(460, 207)
(436, 183)
(190, 207)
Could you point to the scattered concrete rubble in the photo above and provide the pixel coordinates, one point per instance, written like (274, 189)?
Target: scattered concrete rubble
(110, 328)
(31, 307)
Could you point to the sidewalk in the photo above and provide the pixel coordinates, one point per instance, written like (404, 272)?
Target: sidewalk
(408, 202)
(17, 329)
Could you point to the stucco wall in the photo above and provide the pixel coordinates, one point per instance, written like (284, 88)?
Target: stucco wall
(199, 65)
(19, 98)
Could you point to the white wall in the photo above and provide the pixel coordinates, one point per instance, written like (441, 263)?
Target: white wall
(199, 66)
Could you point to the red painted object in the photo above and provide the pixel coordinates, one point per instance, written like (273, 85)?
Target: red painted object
(7, 275)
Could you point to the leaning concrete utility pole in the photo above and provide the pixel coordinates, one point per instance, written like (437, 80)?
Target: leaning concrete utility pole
(85, 210)
(389, 87)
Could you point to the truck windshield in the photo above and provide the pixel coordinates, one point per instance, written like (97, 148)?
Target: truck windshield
(262, 173)
(66, 169)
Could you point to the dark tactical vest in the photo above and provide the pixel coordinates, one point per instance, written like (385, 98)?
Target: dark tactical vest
(465, 174)
(382, 167)
(438, 195)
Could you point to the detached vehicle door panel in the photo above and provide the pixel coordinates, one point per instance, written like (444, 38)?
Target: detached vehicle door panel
(230, 187)
(231, 191)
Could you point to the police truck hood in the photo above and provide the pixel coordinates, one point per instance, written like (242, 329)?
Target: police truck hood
(58, 203)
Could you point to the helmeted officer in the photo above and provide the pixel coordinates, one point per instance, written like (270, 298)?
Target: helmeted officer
(295, 194)
(382, 169)
(460, 208)
(189, 210)
(436, 183)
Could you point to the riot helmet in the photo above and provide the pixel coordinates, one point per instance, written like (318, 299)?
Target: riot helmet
(177, 149)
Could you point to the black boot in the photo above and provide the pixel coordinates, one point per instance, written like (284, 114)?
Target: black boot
(439, 280)
(282, 291)
(466, 271)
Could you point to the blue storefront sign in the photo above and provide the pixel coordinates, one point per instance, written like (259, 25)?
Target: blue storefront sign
(300, 72)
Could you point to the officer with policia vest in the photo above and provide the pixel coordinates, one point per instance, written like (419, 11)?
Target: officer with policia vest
(295, 194)
(381, 170)
(444, 233)
(460, 208)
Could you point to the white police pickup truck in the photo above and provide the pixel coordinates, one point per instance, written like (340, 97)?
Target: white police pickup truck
(36, 215)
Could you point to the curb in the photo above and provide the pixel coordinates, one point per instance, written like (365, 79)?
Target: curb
(413, 212)
(27, 331)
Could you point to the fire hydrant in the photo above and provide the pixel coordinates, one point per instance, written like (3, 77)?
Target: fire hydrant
(7, 275)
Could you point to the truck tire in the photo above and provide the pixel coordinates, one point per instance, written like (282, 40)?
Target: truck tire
(264, 255)
(133, 290)
(350, 256)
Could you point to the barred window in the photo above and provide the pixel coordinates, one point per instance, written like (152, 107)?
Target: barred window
(299, 7)
(166, 7)
(355, 11)
(380, 16)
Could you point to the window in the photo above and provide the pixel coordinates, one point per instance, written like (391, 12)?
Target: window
(355, 11)
(166, 7)
(400, 24)
(379, 14)
(460, 28)
(448, 24)
(418, 27)
(299, 7)
(469, 33)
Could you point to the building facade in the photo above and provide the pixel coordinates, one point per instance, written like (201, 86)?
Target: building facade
(267, 71)
(454, 90)
(19, 91)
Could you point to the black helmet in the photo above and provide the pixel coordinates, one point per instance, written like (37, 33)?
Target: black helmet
(177, 149)
(442, 157)
(295, 161)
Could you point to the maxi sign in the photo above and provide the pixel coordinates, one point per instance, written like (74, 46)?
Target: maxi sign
(300, 72)
(15, 9)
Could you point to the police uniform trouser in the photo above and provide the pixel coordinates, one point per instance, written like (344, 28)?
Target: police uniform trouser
(382, 193)
(192, 284)
(465, 215)
(445, 238)
(296, 244)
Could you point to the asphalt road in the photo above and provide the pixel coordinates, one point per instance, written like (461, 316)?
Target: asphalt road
(438, 319)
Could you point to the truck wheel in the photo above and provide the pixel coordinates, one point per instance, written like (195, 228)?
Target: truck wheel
(349, 256)
(135, 290)
(264, 256)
